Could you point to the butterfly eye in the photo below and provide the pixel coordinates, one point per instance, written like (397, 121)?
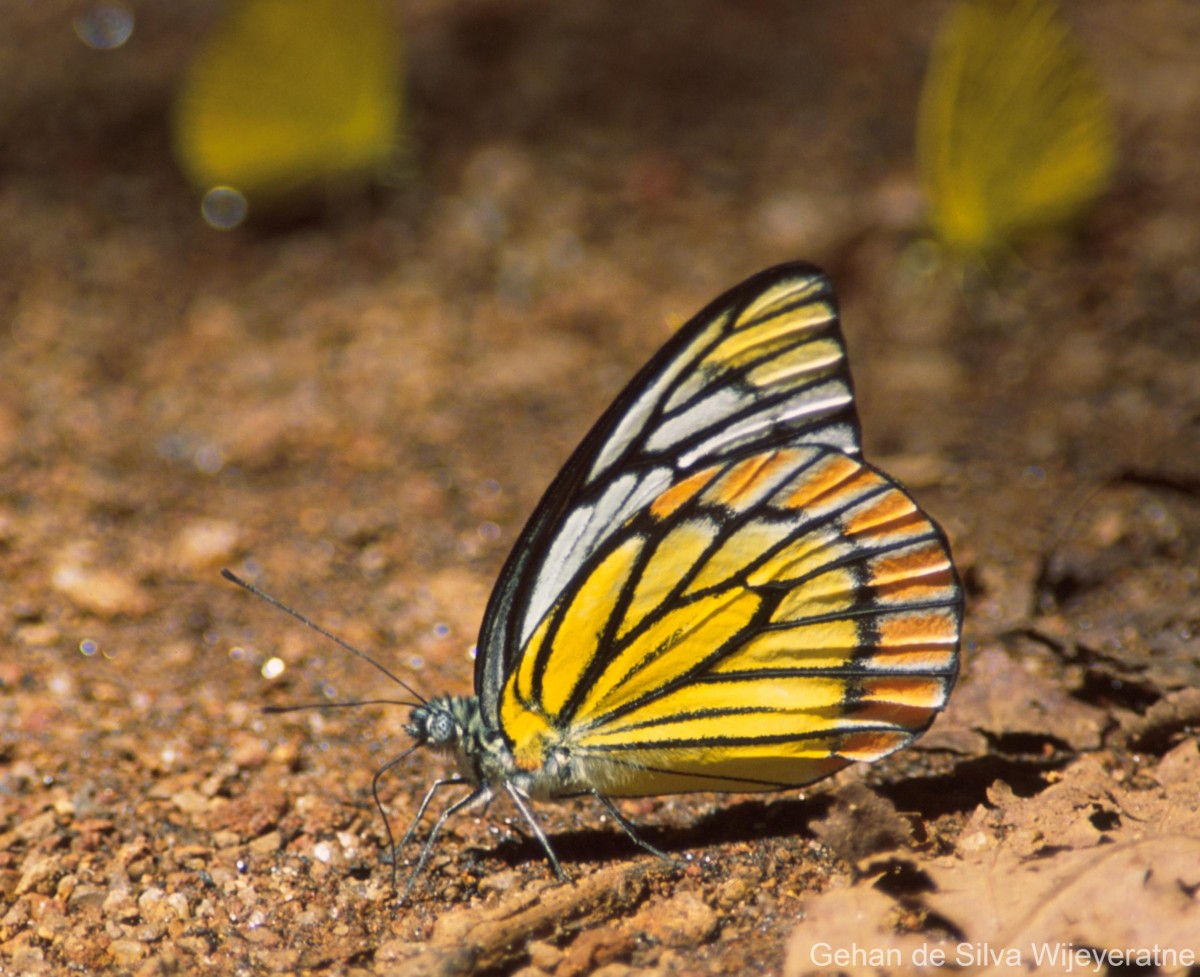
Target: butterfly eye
(441, 729)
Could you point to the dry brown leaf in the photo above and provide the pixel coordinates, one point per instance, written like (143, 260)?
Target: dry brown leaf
(853, 932)
(1174, 713)
(1002, 698)
(1089, 870)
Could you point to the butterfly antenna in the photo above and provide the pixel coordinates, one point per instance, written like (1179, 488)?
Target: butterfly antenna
(353, 704)
(245, 585)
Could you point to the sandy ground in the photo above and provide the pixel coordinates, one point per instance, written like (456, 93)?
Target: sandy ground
(360, 409)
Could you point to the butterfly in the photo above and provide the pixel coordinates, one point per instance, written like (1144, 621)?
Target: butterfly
(716, 593)
(286, 97)
(1014, 132)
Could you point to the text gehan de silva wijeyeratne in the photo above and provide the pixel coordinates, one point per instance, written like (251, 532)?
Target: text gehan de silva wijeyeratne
(1065, 958)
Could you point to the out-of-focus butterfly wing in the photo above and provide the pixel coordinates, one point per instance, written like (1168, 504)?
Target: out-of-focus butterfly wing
(762, 366)
(1014, 132)
(288, 94)
(761, 623)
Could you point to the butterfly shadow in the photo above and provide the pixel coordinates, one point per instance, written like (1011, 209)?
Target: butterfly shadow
(741, 821)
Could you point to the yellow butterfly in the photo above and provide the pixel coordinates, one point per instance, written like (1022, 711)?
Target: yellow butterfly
(715, 593)
(288, 95)
(1014, 133)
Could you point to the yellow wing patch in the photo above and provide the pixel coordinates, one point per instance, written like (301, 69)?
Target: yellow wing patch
(741, 548)
(665, 648)
(583, 622)
(777, 340)
(772, 331)
(678, 550)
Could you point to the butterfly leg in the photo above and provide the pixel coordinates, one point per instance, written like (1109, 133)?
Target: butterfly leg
(630, 830)
(387, 824)
(383, 814)
(527, 814)
(480, 795)
(437, 785)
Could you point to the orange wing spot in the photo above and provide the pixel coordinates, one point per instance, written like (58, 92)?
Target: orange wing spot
(887, 513)
(928, 589)
(678, 494)
(747, 481)
(927, 561)
(529, 732)
(834, 474)
(920, 692)
(926, 582)
(920, 641)
(914, 658)
(871, 746)
(919, 628)
(531, 755)
(903, 717)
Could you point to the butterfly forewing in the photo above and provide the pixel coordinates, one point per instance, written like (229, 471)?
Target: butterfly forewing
(762, 366)
(756, 626)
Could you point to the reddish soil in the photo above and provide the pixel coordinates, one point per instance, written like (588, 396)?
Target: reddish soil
(359, 410)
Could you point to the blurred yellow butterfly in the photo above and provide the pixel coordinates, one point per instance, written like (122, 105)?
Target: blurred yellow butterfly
(286, 96)
(1014, 132)
(715, 593)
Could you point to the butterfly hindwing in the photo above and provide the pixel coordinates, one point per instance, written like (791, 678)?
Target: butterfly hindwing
(759, 624)
(761, 366)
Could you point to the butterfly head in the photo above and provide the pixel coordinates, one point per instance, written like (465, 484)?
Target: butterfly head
(442, 723)
(454, 725)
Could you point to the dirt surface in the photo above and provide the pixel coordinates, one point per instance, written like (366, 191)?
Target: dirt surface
(359, 411)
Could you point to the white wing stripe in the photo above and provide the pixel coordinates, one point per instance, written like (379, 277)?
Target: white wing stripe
(757, 423)
(701, 416)
(584, 531)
